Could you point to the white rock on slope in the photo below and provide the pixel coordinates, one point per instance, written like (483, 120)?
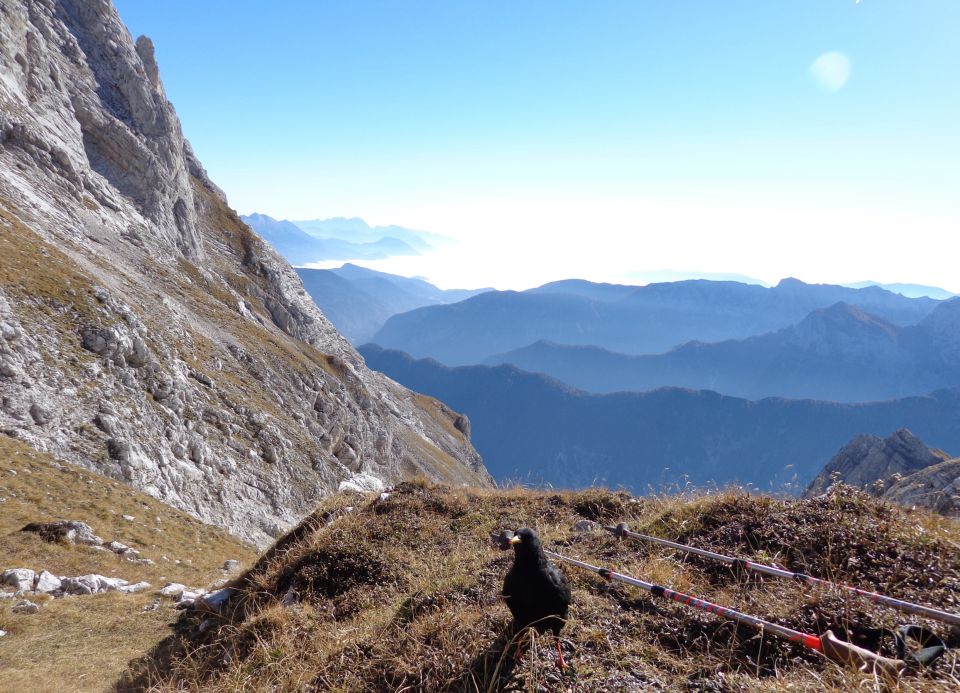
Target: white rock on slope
(362, 483)
(172, 590)
(47, 582)
(19, 578)
(134, 588)
(91, 584)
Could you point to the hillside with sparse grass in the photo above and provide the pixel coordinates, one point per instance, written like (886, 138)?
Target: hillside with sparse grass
(402, 593)
(84, 642)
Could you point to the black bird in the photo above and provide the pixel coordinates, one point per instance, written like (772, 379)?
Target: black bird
(536, 592)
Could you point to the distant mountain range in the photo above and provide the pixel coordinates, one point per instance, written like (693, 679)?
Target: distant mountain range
(668, 275)
(908, 290)
(357, 230)
(358, 300)
(303, 242)
(631, 320)
(838, 353)
(530, 427)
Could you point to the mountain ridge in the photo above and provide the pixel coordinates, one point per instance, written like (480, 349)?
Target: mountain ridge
(646, 320)
(359, 300)
(145, 331)
(839, 353)
(300, 247)
(899, 468)
(358, 230)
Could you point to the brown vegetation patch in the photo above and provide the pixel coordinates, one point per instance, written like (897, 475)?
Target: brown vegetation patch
(422, 582)
(604, 506)
(43, 277)
(83, 643)
(440, 413)
(336, 568)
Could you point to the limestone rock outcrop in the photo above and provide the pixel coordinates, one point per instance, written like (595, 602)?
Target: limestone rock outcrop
(27, 580)
(145, 331)
(18, 578)
(872, 462)
(91, 584)
(900, 468)
(936, 487)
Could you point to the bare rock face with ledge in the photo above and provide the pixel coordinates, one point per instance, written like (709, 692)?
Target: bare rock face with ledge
(900, 468)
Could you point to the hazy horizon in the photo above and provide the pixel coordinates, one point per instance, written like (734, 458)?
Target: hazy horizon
(815, 140)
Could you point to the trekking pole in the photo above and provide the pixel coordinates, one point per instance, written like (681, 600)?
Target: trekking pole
(621, 530)
(827, 644)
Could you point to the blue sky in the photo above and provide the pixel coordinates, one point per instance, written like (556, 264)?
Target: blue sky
(590, 139)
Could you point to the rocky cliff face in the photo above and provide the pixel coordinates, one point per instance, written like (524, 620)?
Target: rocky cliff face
(900, 468)
(145, 331)
(936, 487)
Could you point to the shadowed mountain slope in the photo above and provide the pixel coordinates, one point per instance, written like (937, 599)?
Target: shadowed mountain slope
(531, 427)
(358, 300)
(839, 353)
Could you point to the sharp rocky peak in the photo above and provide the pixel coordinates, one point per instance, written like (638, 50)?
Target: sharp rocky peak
(875, 463)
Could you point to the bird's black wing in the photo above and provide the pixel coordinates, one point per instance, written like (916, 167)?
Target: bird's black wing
(559, 581)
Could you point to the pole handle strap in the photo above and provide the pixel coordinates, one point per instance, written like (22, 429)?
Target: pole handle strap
(930, 646)
(848, 654)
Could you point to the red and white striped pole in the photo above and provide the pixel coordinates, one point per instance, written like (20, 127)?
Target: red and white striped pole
(622, 530)
(827, 644)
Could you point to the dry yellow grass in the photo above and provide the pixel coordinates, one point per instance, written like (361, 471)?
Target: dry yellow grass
(403, 595)
(36, 272)
(83, 643)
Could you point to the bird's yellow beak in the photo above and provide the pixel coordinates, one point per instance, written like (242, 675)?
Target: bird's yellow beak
(515, 539)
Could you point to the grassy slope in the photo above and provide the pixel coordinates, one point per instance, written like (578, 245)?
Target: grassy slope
(82, 643)
(403, 594)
